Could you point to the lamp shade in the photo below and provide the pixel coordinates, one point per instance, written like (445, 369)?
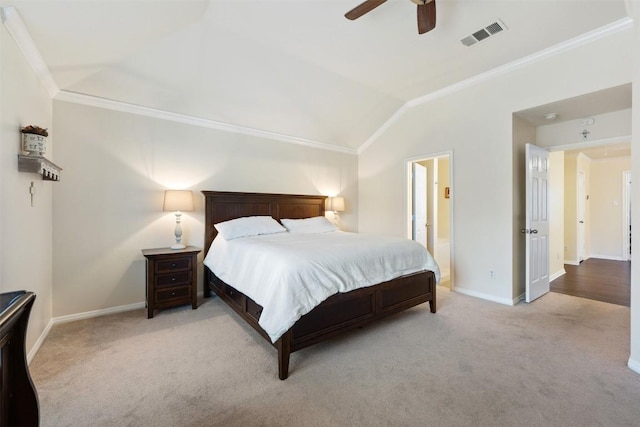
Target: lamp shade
(178, 200)
(335, 204)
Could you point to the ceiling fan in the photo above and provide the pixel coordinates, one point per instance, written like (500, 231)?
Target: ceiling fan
(426, 12)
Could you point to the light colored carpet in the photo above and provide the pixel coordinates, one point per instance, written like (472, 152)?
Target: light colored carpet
(560, 361)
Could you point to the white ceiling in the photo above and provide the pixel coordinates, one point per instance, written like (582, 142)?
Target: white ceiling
(295, 68)
(590, 104)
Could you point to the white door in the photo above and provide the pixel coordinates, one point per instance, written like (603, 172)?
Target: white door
(420, 204)
(536, 230)
(582, 198)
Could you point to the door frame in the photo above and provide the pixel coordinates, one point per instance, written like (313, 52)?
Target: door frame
(626, 215)
(408, 225)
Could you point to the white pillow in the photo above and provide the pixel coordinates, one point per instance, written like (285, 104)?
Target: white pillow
(248, 226)
(316, 224)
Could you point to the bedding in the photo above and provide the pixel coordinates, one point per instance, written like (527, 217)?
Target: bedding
(249, 226)
(316, 224)
(290, 273)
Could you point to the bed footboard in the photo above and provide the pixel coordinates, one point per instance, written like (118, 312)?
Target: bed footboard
(337, 314)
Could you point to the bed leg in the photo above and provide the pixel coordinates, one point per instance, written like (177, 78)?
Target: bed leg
(432, 302)
(206, 290)
(284, 350)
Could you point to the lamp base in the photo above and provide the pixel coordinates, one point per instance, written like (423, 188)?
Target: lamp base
(178, 246)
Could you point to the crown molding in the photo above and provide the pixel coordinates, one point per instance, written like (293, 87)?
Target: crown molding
(385, 126)
(109, 104)
(14, 25)
(591, 36)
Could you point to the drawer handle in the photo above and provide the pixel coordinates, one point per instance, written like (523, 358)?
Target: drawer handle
(173, 264)
(231, 293)
(173, 294)
(173, 279)
(258, 313)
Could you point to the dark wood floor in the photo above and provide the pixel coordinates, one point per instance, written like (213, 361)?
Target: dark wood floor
(597, 279)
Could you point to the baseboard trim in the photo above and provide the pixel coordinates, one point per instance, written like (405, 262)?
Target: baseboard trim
(98, 313)
(634, 365)
(572, 262)
(518, 299)
(608, 257)
(39, 341)
(484, 296)
(557, 274)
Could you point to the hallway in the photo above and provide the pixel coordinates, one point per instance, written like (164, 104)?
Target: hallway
(597, 279)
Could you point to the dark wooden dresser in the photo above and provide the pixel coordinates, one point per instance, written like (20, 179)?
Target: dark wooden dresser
(18, 396)
(171, 277)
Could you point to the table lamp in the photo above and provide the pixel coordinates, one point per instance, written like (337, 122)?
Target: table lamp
(335, 204)
(178, 201)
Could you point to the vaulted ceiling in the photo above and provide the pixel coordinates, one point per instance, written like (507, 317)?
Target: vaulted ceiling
(295, 69)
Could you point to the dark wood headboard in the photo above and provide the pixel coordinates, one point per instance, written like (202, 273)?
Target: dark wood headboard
(224, 205)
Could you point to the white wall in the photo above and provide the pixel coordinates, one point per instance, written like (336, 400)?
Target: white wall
(116, 166)
(25, 230)
(606, 208)
(574, 164)
(475, 122)
(444, 203)
(570, 209)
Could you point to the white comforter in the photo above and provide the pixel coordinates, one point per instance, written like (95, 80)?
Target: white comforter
(289, 274)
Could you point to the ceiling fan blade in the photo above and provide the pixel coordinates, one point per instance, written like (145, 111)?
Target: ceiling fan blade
(426, 17)
(363, 8)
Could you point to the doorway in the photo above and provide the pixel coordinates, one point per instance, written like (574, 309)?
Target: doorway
(430, 209)
(596, 235)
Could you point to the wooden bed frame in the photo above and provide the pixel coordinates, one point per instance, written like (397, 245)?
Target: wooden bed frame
(339, 312)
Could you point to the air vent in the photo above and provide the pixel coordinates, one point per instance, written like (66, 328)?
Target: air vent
(469, 41)
(484, 33)
(494, 28)
(481, 35)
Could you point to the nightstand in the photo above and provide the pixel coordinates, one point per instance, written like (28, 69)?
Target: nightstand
(171, 277)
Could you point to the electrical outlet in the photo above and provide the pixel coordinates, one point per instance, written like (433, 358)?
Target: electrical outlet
(492, 274)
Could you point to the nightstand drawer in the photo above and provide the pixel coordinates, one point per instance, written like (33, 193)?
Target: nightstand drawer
(173, 293)
(175, 279)
(174, 264)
